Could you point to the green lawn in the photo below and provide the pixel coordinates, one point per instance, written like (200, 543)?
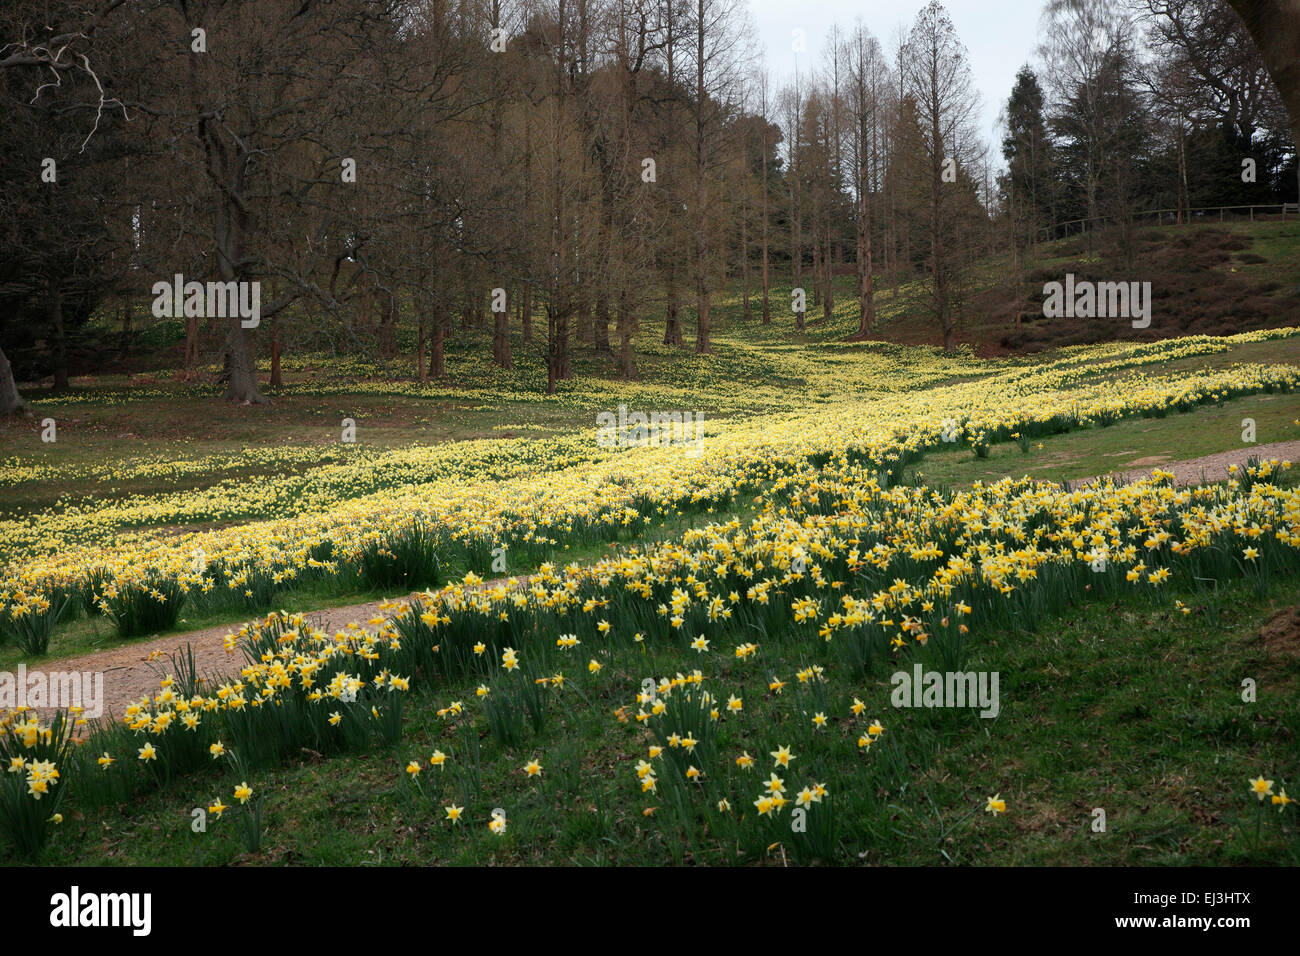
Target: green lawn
(1127, 706)
(1134, 708)
(1132, 444)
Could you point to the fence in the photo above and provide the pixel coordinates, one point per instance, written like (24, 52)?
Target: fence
(1172, 217)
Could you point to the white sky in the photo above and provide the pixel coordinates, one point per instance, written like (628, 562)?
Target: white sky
(1000, 36)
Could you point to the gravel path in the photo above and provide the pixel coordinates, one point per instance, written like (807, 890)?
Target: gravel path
(129, 673)
(133, 670)
(1210, 468)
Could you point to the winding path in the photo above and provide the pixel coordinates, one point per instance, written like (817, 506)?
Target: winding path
(132, 670)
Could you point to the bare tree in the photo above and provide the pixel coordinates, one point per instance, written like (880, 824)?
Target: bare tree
(1275, 26)
(793, 102)
(719, 68)
(867, 75)
(936, 74)
(764, 107)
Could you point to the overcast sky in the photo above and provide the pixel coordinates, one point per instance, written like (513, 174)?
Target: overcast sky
(1000, 36)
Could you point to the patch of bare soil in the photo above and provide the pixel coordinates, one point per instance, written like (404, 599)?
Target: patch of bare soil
(1281, 633)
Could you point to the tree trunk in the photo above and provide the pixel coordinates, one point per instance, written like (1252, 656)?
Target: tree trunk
(526, 311)
(277, 381)
(866, 304)
(817, 271)
(241, 371)
(601, 327)
(702, 192)
(797, 256)
(550, 375)
(191, 338)
(701, 311)
(565, 363)
(501, 339)
(828, 298)
(437, 363)
(552, 347)
(767, 309)
(583, 315)
(702, 314)
(673, 328)
(387, 324)
(10, 401)
(626, 325)
(60, 340)
(420, 370)
(233, 222)
(746, 312)
(938, 252)
(1275, 27)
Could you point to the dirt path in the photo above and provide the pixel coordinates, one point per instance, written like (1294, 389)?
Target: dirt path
(133, 670)
(1209, 468)
(129, 673)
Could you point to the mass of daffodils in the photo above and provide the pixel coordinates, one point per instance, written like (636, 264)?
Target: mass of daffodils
(340, 520)
(833, 553)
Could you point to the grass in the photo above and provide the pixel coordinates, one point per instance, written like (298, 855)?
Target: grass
(101, 421)
(1128, 444)
(1131, 444)
(91, 433)
(1133, 708)
(1278, 245)
(88, 634)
